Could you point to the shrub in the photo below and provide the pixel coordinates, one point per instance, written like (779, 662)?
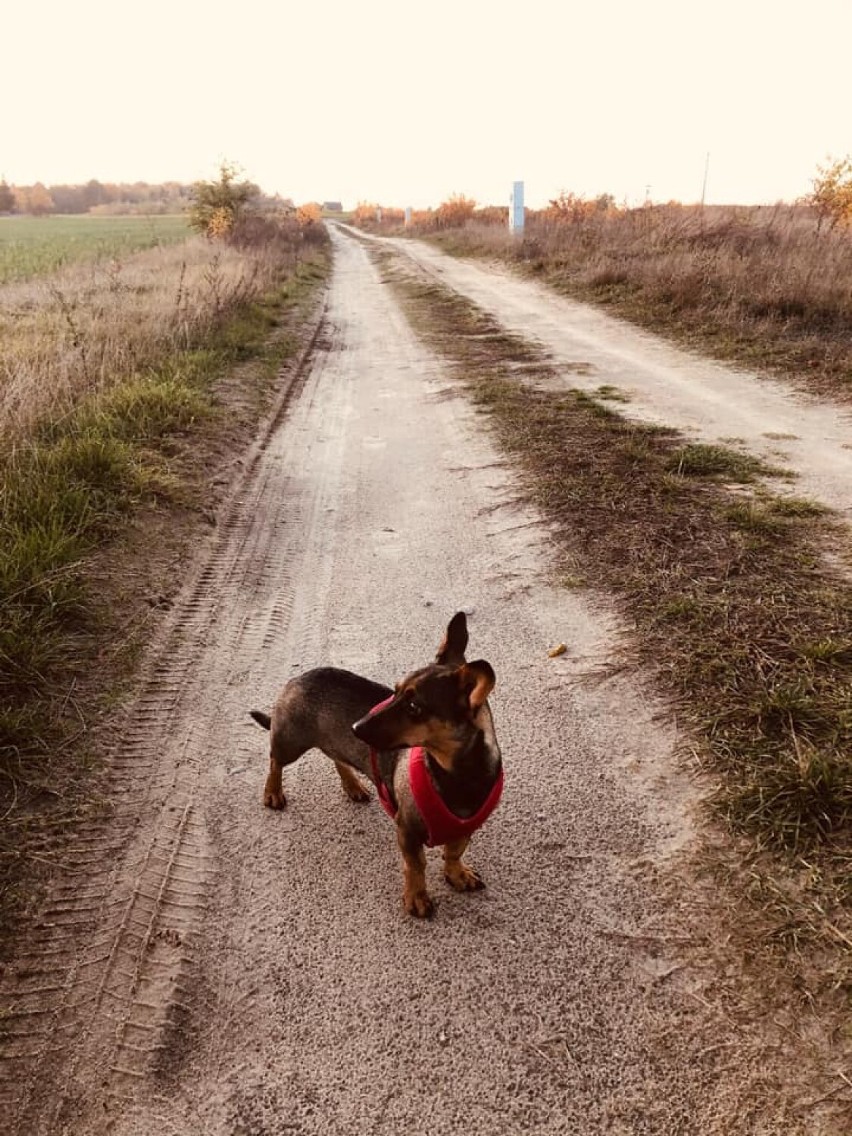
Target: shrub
(831, 196)
(455, 211)
(374, 217)
(217, 206)
(573, 207)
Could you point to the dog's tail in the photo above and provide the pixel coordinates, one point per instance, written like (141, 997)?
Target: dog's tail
(261, 718)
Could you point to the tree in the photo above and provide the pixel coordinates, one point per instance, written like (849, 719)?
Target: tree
(33, 199)
(93, 194)
(40, 200)
(218, 205)
(7, 198)
(831, 196)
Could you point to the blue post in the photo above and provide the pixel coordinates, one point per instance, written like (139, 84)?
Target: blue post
(516, 208)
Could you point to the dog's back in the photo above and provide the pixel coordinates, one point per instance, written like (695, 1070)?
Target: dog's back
(317, 710)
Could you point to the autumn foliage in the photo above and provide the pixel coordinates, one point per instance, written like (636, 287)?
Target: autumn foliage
(572, 207)
(368, 215)
(451, 214)
(454, 212)
(831, 196)
(96, 197)
(217, 206)
(310, 214)
(34, 199)
(458, 212)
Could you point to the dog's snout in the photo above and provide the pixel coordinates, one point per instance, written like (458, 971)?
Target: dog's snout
(357, 727)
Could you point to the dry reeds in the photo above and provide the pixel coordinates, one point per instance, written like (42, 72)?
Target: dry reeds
(75, 333)
(761, 286)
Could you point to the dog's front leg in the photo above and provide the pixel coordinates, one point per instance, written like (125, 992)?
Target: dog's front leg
(414, 894)
(457, 874)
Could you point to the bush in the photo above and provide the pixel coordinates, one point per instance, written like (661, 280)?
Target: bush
(217, 206)
(831, 196)
(455, 211)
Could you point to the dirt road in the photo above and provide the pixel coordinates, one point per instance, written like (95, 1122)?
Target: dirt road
(206, 966)
(708, 401)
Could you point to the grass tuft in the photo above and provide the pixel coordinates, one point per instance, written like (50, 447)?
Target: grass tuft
(699, 460)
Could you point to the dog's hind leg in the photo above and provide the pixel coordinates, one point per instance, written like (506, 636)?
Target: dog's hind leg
(288, 747)
(273, 792)
(281, 752)
(353, 787)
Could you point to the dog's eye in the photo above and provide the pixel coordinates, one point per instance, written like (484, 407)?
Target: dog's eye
(413, 710)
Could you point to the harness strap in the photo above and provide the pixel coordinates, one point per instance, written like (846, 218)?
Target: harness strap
(442, 825)
(385, 799)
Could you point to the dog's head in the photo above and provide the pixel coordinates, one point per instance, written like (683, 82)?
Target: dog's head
(438, 707)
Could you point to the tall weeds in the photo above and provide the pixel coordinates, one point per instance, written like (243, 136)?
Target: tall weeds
(79, 331)
(761, 286)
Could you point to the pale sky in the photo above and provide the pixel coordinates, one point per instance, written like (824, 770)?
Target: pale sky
(405, 104)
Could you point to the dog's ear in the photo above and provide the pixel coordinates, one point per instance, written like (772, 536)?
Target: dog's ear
(478, 681)
(452, 649)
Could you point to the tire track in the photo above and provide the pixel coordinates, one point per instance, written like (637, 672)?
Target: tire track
(105, 967)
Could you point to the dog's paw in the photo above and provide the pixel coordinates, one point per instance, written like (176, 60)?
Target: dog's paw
(274, 798)
(357, 793)
(419, 904)
(353, 786)
(463, 878)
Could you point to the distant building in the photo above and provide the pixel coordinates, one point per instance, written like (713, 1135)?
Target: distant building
(332, 206)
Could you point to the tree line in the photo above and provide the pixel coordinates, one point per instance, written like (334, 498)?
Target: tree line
(95, 197)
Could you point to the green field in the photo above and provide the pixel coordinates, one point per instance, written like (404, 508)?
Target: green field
(31, 246)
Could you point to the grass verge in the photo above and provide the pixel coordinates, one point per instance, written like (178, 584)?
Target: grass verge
(726, 589)
(144, 448)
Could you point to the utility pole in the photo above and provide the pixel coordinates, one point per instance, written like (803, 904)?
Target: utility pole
(704, 183)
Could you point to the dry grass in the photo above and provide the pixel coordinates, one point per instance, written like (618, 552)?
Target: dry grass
(73, 334)
(759, 286)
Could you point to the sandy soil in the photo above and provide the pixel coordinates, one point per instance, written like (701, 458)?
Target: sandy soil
(208, 966)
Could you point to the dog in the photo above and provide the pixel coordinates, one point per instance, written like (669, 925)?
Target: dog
(428, 747)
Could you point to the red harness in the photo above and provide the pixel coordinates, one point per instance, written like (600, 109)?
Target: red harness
(442, 825)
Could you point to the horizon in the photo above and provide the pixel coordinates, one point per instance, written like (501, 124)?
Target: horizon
(401, 109)
(351, 207)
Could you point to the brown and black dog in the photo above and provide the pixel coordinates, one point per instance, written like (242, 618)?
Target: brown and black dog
(429, 747)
